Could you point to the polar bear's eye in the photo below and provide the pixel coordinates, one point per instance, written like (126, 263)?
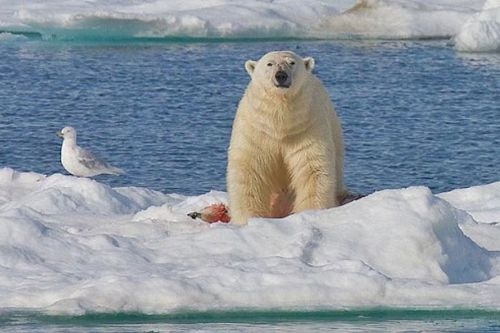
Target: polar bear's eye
(269, 64)
(292, 63)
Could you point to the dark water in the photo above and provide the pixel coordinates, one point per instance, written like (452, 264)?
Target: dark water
(414, 113)
(349, 321)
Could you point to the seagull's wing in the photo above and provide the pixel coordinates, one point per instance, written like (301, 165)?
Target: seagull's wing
(90, 160)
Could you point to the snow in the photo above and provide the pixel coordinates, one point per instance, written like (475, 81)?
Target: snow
(156, 18)
(387, 19)
(474, 25)
(481, 32)
(72, 245)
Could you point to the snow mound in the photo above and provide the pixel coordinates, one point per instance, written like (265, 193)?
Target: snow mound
(72, 245)
(65, 194)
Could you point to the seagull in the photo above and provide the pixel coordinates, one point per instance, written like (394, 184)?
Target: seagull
(79, 161)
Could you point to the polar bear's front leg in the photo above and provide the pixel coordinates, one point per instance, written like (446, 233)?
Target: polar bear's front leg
(247, 190)
(313, 178)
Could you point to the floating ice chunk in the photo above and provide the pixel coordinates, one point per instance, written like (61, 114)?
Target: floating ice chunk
(239, 19)
(398, 20)
(73, 245)
(481, 33)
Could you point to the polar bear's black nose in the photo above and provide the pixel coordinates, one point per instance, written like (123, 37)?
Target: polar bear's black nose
(281, 77)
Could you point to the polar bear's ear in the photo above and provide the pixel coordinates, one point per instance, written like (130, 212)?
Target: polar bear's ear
(250, 66)
(309, 63)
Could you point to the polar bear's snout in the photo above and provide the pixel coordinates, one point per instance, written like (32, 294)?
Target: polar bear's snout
(282, 79)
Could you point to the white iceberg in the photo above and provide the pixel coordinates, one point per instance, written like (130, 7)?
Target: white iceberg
(74, 245)
(122, 19)
(481, 32)
(390, 19)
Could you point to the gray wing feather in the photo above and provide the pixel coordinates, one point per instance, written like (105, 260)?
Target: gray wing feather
(90, 160)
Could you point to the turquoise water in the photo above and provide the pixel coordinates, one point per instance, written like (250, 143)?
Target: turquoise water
(371, 320)
(413, 112)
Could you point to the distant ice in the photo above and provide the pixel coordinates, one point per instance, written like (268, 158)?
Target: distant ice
(6, 36)
(158, 19)
(73, 245)
(393, 19)
(481, 32)
(389, 19)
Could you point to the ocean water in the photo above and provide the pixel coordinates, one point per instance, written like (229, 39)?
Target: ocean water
(374, 320)
(413, 113)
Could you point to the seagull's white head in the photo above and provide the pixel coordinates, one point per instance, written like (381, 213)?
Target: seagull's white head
(68, 132)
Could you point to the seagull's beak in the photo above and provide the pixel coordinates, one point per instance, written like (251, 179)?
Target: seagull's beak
(60, 134)
(194, 215)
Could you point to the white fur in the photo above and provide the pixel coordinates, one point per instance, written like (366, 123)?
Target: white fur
(286, 143)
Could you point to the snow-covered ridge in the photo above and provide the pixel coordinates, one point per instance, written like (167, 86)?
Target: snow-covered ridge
(71, 245)
(236, 19)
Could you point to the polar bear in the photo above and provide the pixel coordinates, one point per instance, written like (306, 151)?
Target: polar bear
(286, 152)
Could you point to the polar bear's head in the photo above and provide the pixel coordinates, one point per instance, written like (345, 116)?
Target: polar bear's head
(283, 71)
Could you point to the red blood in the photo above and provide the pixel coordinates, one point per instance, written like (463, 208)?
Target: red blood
(215, 213)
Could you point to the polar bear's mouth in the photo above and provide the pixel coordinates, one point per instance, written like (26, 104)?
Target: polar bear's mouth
(281, 85)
